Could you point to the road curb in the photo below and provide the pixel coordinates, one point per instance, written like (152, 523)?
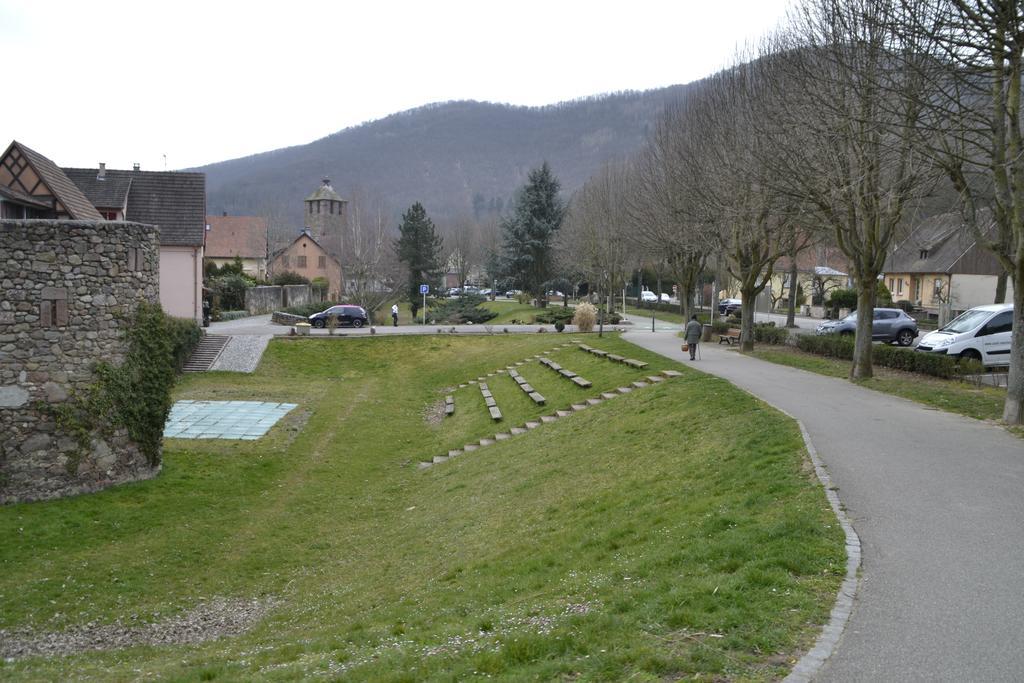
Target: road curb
(811, 663)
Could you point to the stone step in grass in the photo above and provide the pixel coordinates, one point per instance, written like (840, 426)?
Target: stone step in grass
(616, 357)
(634, 363)
(449, 405)
(580, 382)
(569, 374)
(544, 419)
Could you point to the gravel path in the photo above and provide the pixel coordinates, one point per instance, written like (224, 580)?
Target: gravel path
(242, 353)
(217, 618)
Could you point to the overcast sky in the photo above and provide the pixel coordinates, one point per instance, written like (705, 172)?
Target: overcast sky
(200, 82)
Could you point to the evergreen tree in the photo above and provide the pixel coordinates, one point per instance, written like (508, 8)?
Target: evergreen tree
(530, 232)
(419, 248)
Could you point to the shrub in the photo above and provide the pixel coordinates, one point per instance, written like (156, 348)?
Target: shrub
(554, 314)
(585, 317)
(720, 326)
(831, 345)
(883, 297)
(289, 278)
(229, 291)
(184, 335)
(465, 309)
(905, 306)
(559, 326)
(894, 357)
(768, 333)
(843, 298)
(306, 310)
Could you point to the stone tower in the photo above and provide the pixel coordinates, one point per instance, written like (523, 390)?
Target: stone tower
(326, 218)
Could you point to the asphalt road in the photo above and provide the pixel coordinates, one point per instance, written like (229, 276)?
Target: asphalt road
(938, 502)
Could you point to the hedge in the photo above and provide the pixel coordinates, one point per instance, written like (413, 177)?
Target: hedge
(895, 357)
(768, 333)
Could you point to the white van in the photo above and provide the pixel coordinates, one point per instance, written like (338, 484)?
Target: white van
(982, 334)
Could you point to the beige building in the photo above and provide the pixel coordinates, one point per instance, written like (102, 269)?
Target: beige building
(940, 264)
(242, 237)
(307, 258)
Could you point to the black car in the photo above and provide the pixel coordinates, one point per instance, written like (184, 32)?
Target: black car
(346, 315)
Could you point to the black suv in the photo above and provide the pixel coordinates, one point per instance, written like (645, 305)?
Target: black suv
(346, 314)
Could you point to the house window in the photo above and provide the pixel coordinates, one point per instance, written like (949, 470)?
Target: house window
(892, 284)
(300, 261)
(284, 261)
(923, 254)
(321, 262)
(53, 307)
(899, 285)
(311, 207)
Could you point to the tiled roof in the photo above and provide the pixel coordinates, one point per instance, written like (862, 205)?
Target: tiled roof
(61, 186)
(936, 244)
(109, 193)
(325, 191)
(231, 236)
(174, 201)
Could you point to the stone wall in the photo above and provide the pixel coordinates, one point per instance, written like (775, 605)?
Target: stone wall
(268, 299)
(69, 288)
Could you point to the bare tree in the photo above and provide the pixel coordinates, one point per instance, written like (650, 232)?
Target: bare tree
(736, 207)
(973, 116)
(845, 129)
(371, 271)
(594, 238)
(658, 210)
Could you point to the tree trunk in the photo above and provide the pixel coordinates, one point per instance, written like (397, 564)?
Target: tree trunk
(791, 308)
(1013, 409)
(1000, 288)
(862, 368)
(749, 295)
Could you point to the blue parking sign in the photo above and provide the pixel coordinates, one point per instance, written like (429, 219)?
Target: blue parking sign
(424, 289)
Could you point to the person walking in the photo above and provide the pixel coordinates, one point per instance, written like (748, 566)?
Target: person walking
(692, 335)
(394, 314)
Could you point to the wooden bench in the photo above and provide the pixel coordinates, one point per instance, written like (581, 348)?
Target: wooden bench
(730, 337)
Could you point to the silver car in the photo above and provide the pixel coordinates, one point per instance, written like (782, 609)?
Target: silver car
(888, 325)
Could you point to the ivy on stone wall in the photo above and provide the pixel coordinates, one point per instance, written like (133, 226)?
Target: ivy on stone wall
(135, 395)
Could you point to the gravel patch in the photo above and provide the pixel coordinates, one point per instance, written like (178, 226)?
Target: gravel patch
(242, 353)
(216, 618)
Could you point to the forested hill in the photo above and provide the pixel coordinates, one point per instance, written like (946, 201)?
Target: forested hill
(457, 158)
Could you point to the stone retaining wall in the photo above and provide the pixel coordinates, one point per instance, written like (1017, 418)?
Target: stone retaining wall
(68, 289)
(267, 299)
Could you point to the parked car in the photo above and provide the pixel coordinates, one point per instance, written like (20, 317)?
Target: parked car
(665, 298)
(648, 295)
(888, 325)
(982, 334)
(513, 293)
(729, 306)
(346, 314)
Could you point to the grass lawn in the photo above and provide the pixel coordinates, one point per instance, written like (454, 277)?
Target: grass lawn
(979, 402)
(674, 532)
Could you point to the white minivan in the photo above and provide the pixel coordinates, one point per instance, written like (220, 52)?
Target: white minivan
(982, 334)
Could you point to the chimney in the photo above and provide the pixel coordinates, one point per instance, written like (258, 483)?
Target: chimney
(327, 181)
(102, 175)
(135, 166)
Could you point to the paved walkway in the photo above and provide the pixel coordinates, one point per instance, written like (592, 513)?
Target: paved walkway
(938, 502)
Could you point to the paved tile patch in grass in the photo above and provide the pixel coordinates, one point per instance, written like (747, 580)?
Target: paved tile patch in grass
(245, 420)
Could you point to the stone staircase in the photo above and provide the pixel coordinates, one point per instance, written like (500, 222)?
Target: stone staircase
(206, 353)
